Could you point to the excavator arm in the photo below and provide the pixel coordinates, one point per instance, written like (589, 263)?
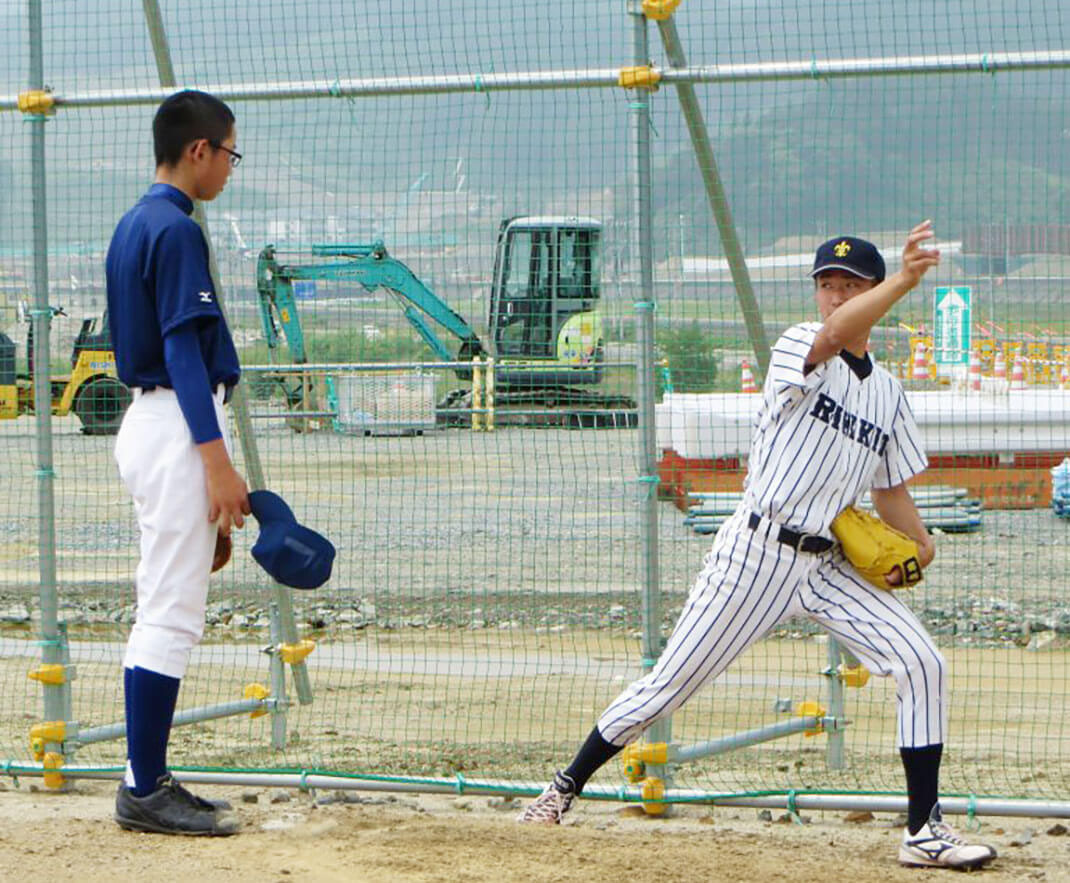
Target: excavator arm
(373, 268)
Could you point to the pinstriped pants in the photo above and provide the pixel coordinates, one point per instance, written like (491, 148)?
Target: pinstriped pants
(749, 583)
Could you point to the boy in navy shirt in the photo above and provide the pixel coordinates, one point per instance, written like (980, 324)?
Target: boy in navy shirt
(173, 349)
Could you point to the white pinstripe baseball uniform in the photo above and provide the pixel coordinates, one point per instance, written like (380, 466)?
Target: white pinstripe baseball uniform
(821, 440)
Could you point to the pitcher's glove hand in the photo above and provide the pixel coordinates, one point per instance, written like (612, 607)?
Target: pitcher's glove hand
(876, 549)
(222, 551)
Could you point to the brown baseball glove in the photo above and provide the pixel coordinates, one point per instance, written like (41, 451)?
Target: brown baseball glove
(223, 548)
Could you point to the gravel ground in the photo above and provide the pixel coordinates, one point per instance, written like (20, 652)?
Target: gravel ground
(524, 527)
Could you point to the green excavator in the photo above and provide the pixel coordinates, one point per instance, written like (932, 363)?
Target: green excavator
(545, 326)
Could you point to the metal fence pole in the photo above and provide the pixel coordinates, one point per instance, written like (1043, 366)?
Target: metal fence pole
(977, 63)
(718, 200)
(660, 731)
(834, 748)
(57, 706)
(239, 402)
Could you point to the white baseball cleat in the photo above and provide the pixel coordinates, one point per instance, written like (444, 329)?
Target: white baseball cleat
(938, 845)
(552, 804)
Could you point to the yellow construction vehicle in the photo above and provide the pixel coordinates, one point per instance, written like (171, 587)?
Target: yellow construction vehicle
(92, 390)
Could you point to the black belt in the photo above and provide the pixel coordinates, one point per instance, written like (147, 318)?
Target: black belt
(804, 542)
(227, 391)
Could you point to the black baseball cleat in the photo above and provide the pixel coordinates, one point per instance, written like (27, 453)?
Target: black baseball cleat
(207, 802)
(203, 802)
(171, 809)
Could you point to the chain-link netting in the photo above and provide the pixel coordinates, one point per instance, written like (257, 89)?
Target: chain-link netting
(489, 592)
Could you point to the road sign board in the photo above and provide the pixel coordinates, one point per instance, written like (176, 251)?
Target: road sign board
(951, 325)
(305, 289)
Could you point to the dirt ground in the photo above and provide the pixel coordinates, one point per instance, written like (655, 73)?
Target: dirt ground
(466, 650)
(290, 836)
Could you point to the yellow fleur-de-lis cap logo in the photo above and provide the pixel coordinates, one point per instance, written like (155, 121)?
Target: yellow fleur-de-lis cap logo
(842, 247)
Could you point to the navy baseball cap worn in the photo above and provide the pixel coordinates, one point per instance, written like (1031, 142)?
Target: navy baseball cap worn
(291, 553)
(851, 254)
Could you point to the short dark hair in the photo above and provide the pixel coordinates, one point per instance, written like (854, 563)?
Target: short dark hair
(186, 117)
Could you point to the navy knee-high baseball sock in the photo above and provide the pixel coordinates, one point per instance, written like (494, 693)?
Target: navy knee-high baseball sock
(150, 706)
(128, 691)
(922, 767)
(593, 754)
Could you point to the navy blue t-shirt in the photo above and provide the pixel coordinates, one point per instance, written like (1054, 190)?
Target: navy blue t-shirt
(158, 280)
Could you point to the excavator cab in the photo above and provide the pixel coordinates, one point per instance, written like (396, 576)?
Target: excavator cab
(544, 301)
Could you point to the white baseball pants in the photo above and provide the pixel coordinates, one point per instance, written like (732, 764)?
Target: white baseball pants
(162, 469)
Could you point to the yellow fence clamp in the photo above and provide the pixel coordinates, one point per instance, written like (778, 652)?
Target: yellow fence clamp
(636, 756)
(39, 102)
(812, 709)
(641, 77)
(52, 674)
(653, 793)
(43, 733)
(854, 675)
(256, 691)
(659, 10)
(53, 763)
(292, 654)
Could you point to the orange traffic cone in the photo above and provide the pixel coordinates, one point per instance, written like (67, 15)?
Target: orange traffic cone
(748, 378)
(920, 370)
(1018, 375)
(999, 367)
(975, 372)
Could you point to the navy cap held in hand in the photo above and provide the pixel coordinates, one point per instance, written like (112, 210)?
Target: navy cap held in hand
(292, 554)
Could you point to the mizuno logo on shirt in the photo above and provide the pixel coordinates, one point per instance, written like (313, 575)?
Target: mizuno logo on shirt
(829, 411)
(206, 297)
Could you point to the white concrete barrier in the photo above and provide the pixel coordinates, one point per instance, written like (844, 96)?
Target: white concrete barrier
(704, 426)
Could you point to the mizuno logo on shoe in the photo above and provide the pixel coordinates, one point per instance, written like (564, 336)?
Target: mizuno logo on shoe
(934, 851)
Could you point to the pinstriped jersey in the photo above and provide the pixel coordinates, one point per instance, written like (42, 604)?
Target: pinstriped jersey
(824, 438)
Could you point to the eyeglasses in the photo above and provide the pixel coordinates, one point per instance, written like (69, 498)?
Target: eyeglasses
(235, 157)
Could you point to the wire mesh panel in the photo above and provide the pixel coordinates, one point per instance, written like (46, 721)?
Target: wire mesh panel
(827, 156)
(493, 568)
(384, 404)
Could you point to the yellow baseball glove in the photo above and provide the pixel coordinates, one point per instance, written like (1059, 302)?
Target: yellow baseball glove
(876, 548)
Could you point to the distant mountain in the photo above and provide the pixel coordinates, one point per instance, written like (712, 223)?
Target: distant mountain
(882, 154)
(805, 157)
